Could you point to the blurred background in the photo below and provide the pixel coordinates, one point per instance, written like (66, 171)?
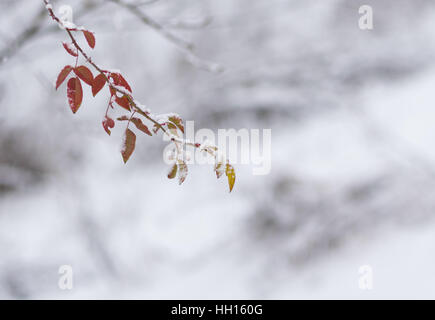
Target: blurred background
(353, 163)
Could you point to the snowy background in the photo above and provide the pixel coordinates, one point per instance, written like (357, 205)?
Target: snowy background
(352, 114)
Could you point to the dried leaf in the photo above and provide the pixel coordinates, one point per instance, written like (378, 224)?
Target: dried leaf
(156, 128)
(129, 145)
(182, 172)
(178, 122)
(173, 172)
(172, 128)
(219, 169)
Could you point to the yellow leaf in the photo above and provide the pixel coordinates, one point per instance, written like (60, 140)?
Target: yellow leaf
(173, 172)
(231, 176)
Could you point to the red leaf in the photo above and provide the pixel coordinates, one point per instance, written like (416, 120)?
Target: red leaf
(62, 75)
(118, 80)
(85, 74)
(129, 144)
(70, 49)
(108, 123)
(90, 38)
(123, 102)
(124, 83)
(139, 124)
(74, 93)
(98, 84)
(112, 91)
(122, 118)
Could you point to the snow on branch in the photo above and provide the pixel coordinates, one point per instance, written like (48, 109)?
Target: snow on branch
(121, 96)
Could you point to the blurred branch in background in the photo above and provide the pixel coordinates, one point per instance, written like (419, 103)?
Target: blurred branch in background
(36, 28)
(189, 25)
(135, 10)
(28, 33)
(185, 46)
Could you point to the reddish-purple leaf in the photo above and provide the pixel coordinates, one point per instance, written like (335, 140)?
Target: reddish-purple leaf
(62, 75)
(90, 38)
(140, 125)
(129, 145)
(118, 80)
(112, 91)
(70, 49)
(98, 84)
(85, 74)
(122, 118)
(74, 93)
(123, 102)
(108, 123)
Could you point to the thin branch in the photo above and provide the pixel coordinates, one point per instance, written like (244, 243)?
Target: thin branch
(186, 47)
(145, 3)
(154, 24)
(23, 37)
(189, 25)
(101, 71)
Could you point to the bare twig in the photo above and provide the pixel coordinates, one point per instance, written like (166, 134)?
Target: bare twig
(145, 3)
(186, 47)
(188, 25)
(23, 37)
(134, 9)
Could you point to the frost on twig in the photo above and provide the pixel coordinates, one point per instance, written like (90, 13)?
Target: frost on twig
(121, 96)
